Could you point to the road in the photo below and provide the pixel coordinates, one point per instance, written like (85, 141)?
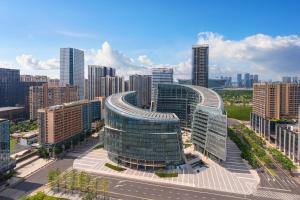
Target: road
(39, 178)
(131, 189)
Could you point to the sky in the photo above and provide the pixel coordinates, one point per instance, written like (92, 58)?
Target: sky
(256, 36)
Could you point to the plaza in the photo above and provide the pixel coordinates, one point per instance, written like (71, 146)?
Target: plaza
(233, 175)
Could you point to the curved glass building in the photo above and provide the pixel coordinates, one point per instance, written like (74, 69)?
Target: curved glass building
(139, 138)
(145, 139)
(200, 110)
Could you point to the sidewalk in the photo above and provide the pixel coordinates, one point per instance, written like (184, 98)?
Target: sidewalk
(32, 167)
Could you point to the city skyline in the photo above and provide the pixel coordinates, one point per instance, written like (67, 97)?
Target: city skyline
(140, 43)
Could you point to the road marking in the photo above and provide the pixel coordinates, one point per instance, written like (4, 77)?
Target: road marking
(182, 189)
(279, 189)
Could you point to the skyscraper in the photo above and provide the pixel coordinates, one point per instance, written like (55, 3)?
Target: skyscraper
(247, 82)
(200, 65)
(161, 75)
(142, 85)
(72, 68)
(95, 72)
(239, 80)
(9, 83)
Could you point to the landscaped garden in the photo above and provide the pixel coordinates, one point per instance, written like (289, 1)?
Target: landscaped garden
(23, 126)
(252, 147)
(42, 196)
(284, 161)
(78, 182)
(114, 167)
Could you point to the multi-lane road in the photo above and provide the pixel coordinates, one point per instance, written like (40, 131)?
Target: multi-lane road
(132, 189)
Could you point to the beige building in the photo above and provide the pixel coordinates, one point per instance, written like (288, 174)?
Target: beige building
(63, 124)
(276, 100)
(50, 95)
(31, 78)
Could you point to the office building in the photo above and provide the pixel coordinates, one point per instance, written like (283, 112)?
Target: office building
(286, 79)
(216, 83)
(200, 111)
(295, 79)
(239, 80)
(9, 85)
(247, 81)
(159, 144)
(12, 113)
(62, 126)
(50, 95)
(185, 81)
(161, 75)
(36, 78)
(13, 91)
(103, 81)
(142, 85)
(72, 68)
(200, 56)
(6, 163)
(273, 103)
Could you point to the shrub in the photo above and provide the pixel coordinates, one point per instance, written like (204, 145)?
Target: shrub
(114, 167)
(165, 174)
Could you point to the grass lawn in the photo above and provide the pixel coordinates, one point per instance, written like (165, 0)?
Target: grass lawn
(239, 112)
(13, 143)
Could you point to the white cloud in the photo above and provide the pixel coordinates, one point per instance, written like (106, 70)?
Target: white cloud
(29, 62)
(270, 57)
(145, 60)
(108, 57)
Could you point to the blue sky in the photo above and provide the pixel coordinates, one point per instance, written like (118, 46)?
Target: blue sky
(163, 30)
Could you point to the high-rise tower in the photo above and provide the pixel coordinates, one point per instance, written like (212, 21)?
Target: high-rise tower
(72, 68)
(200, 65)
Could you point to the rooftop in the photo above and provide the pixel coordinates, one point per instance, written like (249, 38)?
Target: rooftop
(118, 103)
(3, 109)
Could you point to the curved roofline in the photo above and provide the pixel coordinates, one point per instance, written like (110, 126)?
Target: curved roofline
(204, 92)
(117, 103)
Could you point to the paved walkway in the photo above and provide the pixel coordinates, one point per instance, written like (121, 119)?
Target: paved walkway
(232, 176)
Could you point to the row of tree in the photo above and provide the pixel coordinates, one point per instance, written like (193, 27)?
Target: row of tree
(77, 181)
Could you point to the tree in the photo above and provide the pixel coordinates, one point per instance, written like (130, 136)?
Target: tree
(72, 180)
(104, 186)
(42, 152)
(79, 181)
(51, 178)
(96, 185)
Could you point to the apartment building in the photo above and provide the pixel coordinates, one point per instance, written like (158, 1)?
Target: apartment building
(274, 103)
(63, 125)
(50, 95)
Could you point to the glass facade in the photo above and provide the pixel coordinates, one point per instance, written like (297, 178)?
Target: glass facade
(200, 110)
(141, 139)
(6, 163)
(144, 139)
